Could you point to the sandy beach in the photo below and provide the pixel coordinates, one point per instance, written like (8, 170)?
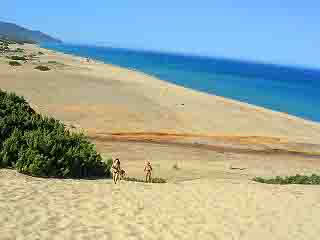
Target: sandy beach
(135, 117)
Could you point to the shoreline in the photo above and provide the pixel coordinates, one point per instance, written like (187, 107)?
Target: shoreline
(222, 98)
(160, 90)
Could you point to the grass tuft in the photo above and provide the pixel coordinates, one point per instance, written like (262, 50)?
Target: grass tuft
(153, 180)
(20, 50)
(14, 63)
(297, 179)
(18, 58)
(56, 63)
(42, 68)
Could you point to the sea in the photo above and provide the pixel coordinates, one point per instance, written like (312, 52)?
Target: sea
(293, 90)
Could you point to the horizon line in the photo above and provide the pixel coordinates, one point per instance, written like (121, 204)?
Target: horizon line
(189, 54)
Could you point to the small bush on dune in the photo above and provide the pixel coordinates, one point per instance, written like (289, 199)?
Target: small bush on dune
(40, 53)
(14, 63)
(18, 58)
(42, 68)
(19, 50)
(158, 180)
(4, 48)
(297, 179)
(56, 63)
(42, 146)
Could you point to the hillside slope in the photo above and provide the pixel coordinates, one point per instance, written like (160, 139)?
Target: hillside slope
(15, 32)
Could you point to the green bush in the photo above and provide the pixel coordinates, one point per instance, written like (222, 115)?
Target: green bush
(19, 50)
(18, 58)
(14, 63)
(109, 165)
(42, 68)
(59, 64)
(42, 146)
(297, 179)
(40, 53)
(55, 62)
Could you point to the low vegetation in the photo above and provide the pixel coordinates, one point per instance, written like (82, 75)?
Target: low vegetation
(10, 40)
(18, 50)
(58, 64)
(153, 180)
(4, 48)
(42, 68)
(18, 58)
(55, 62)
(14, 64)
(42, 146)
(109, 165)
(297, 179)
(6, 41)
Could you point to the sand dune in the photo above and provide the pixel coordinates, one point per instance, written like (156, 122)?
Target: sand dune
(137, 117)
(111, 99)
(191, 209)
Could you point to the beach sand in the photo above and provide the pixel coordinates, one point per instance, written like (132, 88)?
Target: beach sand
(136, 117)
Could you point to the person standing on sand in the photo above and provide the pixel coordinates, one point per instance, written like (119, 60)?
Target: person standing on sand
(116, 168)
(148, 171)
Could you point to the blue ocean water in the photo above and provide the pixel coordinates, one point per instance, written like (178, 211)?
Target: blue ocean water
(285, 89)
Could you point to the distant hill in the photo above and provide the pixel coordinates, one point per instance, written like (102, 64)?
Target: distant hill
(17, 33)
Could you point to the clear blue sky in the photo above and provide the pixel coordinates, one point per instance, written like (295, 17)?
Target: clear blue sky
(278, 31)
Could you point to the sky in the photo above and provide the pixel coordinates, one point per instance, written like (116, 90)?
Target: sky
(281, 32)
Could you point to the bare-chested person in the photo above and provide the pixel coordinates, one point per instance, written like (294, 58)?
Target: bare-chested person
(116, 170)
(148, 171)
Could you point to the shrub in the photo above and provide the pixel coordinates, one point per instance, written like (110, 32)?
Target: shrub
(297, 179)
(14, 63)
(19, 50)
(18, 58)
(42, 146)
(56, 63)
(42, 68)
(40, 53)
(158, 180)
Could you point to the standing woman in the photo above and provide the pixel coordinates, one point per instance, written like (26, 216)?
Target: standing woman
(116, 170)
(148, 171)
